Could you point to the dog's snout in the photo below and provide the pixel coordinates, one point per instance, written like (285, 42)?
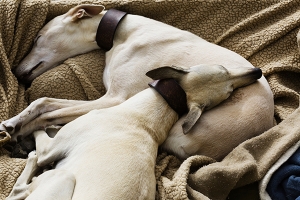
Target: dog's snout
(253, 73)
(25, 74)
(245, 76)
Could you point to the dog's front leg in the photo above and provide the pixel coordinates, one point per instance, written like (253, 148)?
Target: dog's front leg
(34, 110)
(20, 189)
(53, 184)
(45, 112)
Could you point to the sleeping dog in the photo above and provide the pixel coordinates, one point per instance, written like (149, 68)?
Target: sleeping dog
(110, 153)
(139, 45)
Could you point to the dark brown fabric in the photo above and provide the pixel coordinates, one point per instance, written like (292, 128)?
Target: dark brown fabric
(107, 28)
(174, 95)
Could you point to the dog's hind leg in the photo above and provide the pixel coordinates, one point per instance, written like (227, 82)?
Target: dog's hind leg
(46, 150)
(53, 184)
(20, 189)
(56, 184)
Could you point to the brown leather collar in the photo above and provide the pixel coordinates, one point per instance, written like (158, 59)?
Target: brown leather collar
(174, 95)
(107, 28)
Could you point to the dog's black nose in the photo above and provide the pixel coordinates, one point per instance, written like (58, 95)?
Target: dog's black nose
(253, 73)
(257, 73)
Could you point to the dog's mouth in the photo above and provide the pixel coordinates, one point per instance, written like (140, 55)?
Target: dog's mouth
(27, 78)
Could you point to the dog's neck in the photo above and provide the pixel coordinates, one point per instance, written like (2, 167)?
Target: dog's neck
(107, 28)
(152, 110)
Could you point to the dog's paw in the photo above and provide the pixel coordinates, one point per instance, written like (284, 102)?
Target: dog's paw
(12, 125)
(32, 157)
(7, 126)
(32, 161)
(32, 154)
(4, 137)
(2, 127)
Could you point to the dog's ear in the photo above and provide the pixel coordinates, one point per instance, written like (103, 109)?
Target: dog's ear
(166, 72)
(84, 10)
(191, 118)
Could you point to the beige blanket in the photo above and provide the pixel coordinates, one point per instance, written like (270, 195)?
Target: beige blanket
(263, 31)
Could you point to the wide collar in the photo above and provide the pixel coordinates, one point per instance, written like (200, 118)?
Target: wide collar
(107, 28)
(173, 94)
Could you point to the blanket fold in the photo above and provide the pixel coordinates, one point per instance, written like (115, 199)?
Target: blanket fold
(264, 32)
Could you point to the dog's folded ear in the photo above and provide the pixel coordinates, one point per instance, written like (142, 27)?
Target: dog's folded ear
(191, 118)
(167, 72)
(84, 10)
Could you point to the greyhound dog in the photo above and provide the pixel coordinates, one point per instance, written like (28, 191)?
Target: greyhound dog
(110, 153)
(139, 45)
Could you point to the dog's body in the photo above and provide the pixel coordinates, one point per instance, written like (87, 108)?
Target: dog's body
(110, 153)
(142, 44)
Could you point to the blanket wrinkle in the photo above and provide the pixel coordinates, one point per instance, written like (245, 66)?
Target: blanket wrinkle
(176, 186)
(264, 32)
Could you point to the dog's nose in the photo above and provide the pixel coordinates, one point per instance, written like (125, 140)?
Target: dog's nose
(21, 78)
(256, 73)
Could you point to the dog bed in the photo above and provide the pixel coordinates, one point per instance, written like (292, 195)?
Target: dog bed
(263, 31)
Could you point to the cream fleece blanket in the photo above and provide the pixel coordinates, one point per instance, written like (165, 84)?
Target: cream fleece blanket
(263, 31)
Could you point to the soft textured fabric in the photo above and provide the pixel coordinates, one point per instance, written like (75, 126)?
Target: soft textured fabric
(284, 183)
(265, 180)
(263, 31)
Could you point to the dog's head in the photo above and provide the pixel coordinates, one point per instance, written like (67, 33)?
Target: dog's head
(63, 37)
(206, 85)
